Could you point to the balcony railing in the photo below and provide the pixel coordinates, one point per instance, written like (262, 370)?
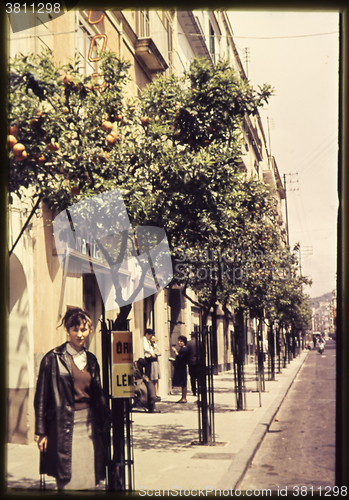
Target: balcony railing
(152, 45)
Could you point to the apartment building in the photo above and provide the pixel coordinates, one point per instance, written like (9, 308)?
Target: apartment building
(155, 42)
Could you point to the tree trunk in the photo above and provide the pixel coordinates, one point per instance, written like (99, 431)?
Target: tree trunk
(271, 349)
(214, 341)
(239, 352)
(121, 322)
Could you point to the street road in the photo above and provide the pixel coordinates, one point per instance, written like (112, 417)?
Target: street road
(299, 448)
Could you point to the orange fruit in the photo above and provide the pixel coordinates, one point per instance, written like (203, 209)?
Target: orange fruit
(18, 148)
(145, 121)
(22, 156)
(11, 141)
(67, 80)
(111, 139)
(34, 123)
(12, 130)
(106, 126)
(53, 147)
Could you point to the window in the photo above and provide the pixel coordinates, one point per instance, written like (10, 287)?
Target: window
(143, 24)
(84, 37)
(169, 41)
(256, 166)
(212, 41)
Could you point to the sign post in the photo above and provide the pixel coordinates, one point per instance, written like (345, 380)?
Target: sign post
(122, 365)
(122, 389)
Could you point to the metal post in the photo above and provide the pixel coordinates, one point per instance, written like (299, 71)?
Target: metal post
(118, 444)
(271, 349)
(121, 439)
(205, 387)
(278, 347)
(210, 343)
(239, 355)
(260, 356)
(198, 379)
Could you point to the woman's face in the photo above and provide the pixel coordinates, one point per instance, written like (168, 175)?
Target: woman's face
(180, 343)
(78, 335)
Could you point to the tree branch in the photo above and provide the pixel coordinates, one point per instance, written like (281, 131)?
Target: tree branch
(26, 223)
(189, 298)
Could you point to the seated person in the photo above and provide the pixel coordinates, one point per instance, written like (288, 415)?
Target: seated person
(144, 388)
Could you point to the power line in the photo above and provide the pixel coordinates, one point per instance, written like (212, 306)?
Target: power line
(303, 223)
(317, 150)
(313, 230)
(281, 37)
(262, 37)
(319, 157)
(320, 164)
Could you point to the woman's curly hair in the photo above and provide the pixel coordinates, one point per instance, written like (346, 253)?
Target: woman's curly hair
(74, 317)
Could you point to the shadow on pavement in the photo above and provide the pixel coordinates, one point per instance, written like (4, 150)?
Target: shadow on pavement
(163, 437)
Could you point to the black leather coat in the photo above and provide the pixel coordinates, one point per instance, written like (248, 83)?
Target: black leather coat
(54, 413)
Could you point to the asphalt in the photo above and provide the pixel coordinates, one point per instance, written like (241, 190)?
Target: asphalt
(167, 453)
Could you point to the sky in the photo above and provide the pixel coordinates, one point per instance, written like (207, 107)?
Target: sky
(297, 53)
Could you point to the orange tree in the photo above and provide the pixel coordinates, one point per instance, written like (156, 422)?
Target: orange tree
(63, 131)
(188, 158)
(62, 127)
(292, 309)
(173, 152)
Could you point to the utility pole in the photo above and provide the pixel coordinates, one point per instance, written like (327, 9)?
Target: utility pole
(271, 124)
(246, 56)
(269, 136)
(308, 250)
(286, 214)
(288, 236)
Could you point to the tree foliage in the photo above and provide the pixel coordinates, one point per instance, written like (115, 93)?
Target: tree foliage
(174, 154)
(58, 116)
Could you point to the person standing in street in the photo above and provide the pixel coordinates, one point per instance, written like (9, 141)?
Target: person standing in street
(149, 354)
(180, 367)
(154, 367)
(192, 360)
(71, 414)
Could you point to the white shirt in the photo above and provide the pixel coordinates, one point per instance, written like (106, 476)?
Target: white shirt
(80, 358)
(148, 348)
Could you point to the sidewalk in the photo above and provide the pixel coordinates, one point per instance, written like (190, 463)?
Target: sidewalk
(164, 455)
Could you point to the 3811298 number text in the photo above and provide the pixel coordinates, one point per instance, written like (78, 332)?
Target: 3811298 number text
(40, 8)
(325, 491)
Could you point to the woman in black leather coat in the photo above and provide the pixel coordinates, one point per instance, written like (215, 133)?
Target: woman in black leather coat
(71, 414)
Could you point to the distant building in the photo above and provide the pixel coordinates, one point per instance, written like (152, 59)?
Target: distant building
(322, 321)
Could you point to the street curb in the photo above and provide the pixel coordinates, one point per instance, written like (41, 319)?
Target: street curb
(239, 466)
